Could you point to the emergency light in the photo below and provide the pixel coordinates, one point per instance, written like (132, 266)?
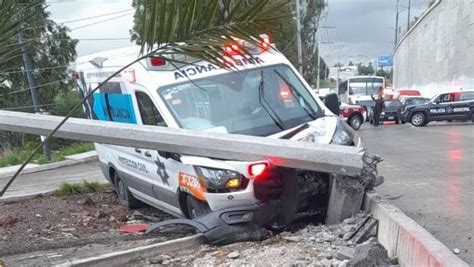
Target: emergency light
(257, 169)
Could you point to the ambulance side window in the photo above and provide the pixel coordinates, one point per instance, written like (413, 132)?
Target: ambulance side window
(148, 111)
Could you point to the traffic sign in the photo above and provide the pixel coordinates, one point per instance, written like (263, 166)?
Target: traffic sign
(385, 61)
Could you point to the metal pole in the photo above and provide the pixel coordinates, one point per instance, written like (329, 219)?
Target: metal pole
(319, 63)
(31, 83)
(298, 37)
(408, 20)
(396, 25)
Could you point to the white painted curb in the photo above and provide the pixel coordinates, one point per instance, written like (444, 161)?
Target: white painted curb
(70, 161)
(405, 239)
(122, 258)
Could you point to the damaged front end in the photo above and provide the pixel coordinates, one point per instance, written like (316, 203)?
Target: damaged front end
(285, 195)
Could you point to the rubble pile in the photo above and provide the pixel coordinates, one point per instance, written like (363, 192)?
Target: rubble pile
(317, 245)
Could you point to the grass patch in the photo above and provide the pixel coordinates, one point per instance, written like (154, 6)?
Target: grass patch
(56, 155)
(67, 189)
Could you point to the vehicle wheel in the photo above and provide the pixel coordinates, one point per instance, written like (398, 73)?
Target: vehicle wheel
(472, 117)
(124, 196)
(418, 119)
(397, 121)
(403, 122)
(196, 208)
(355, 122)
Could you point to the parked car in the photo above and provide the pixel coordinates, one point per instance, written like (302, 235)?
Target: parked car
(406, 92)
(266, 97)
(355, 115)
(389, 113)
(442, 107)
(408, 101)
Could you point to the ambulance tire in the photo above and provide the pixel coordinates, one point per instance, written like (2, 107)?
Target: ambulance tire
(195, 207)
(124, 196)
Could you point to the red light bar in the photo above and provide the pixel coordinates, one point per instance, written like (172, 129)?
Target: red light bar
(157, 61)
(265, 42)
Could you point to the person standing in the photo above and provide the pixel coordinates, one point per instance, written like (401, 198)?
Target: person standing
(378, 107)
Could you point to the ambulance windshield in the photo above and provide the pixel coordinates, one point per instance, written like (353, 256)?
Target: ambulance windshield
(260, 101)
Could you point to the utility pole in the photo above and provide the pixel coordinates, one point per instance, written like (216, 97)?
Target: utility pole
(319, 55)
(31, 83)
(318, 65)
(408, 21)
(298, 37)
(396, 25)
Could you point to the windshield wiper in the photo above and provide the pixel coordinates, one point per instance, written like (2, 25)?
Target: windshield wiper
(311, 112)
(278, 121)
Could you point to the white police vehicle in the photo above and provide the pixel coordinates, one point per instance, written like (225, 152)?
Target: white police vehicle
(266, 97)
(447, 106)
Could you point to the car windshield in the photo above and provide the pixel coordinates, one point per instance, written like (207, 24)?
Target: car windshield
(392, 103)
(364, 86)
(261, 101)
(415, 101)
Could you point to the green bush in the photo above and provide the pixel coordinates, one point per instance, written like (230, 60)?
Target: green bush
(19, 157)
(64, 102)
(67, 189)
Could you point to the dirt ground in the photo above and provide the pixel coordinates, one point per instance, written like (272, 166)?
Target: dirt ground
(50, 222)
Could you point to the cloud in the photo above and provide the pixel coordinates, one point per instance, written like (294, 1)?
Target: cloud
(111, 26)
(364, 29)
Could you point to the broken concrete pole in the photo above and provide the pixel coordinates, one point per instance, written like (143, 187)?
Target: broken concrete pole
(347, 193)
(345, 199)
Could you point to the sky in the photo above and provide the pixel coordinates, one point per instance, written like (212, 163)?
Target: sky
(363, 29)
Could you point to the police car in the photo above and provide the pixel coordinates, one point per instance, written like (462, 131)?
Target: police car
(445, 106)
(265, 97)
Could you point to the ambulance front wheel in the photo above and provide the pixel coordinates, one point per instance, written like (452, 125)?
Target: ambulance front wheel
(125, 197)
(195, 207)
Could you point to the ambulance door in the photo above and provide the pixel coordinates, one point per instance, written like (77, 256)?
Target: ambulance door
(164, 167)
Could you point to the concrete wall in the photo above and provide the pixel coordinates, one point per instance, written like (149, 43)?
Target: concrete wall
(437, 54)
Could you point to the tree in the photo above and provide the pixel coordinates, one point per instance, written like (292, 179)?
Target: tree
(51, 50)
(351, 64)
(381, 73)
(365, 69)
(282, 29)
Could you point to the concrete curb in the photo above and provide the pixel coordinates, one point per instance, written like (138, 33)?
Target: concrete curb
(122, 258)
(405, 239)
(70, 161)
(8, 200)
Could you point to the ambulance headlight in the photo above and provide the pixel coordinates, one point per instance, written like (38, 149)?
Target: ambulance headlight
(344, 135)
(219, 177)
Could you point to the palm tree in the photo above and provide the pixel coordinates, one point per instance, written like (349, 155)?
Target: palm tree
(196, 28)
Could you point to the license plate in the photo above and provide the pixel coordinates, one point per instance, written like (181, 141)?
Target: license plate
(390, 118)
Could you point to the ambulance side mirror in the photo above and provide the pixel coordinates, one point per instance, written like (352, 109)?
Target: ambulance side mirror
(170, 155)
(332, 103)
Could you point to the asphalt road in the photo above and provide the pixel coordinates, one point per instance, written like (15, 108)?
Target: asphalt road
(429, 174)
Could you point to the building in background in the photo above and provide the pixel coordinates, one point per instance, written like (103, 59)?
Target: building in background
(437, 53)
(344, 72)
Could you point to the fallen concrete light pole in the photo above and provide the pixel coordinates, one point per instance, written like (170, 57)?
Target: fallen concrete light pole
(347, 163)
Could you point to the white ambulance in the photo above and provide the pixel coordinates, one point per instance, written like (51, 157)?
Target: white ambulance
(265, 97)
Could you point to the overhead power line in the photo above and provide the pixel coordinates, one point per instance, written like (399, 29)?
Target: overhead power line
(129, 11)
(101, 21)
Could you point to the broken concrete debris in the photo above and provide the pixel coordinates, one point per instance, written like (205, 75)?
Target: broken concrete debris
(233, 255)
(313, 245)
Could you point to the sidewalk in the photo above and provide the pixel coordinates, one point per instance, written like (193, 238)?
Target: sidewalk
(46, 178)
